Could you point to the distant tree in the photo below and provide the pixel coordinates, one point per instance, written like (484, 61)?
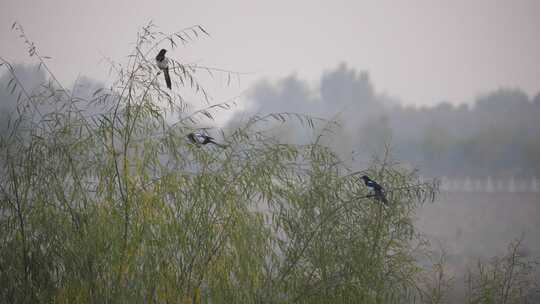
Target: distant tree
(344, 86)
(502, 101)
(536, 99)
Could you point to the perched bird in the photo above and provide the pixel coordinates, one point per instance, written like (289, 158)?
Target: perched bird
(163, 64)
(376, 188)
(202, 139)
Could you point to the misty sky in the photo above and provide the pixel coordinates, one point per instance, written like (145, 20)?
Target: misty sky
(421, 51)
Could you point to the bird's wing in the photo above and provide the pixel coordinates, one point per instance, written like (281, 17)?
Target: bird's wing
(163, 64)
(200, 137)
(375, 186)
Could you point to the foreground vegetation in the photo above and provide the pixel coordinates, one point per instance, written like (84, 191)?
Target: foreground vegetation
(104, 200)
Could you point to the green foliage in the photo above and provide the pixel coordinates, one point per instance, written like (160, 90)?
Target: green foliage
(436, 283)
(114, 205)
(507, 279)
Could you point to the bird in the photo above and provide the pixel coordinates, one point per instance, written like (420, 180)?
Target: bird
(202, 139)
(163, 64)
(376, 188)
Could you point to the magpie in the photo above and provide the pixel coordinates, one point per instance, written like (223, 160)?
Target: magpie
(376, 188)
(202, 139)
(163, 64)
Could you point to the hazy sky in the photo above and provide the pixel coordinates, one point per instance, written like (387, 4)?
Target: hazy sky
(421, 51)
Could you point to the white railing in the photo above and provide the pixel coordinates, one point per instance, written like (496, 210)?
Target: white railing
(488, 184)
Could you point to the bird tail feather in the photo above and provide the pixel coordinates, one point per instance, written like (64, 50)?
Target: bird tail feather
(219, 145)
(167, 78)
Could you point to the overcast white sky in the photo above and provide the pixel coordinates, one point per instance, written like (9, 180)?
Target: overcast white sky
(422, 51)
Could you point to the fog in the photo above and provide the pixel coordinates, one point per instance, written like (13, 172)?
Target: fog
(36, 82)
(452, 88)
(494, 136)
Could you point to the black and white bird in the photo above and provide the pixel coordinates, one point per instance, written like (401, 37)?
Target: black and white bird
(163, 64)
(202, 139)
(378, 191)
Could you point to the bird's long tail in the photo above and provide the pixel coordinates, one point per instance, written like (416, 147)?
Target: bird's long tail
(379, 195)
(167, 78)
(384, 200)
(218, 144)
